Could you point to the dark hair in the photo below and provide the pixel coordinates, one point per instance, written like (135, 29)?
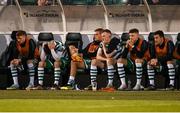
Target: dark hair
(134, 30)
(21, 33)
(99, 30)
(13, 35)
(160, 33)
(107, 31)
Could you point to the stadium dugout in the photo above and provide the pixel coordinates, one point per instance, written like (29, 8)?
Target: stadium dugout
(63, 16)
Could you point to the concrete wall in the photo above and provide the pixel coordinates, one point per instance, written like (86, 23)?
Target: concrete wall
(87, 18)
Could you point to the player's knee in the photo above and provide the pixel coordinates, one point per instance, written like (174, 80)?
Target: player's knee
(41, 64)
(73, 62)
(94, 62)
(30, 65)
(170, 62)
(149, 62)
(12, 61)
(139, 61)
(56, 64)
(109, 60)
(120, 60)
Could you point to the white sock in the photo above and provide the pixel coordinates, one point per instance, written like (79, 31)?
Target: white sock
(138, 73)
(71, 77)
(171, 71)
(121, 73)
(31, 80)
(57, 72)
(151, 74)
(15, 79)
(40, 75)
(110, 74)
(93, 73)
(14, 73)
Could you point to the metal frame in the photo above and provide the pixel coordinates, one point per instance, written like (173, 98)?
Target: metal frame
(105, 14)
(21, 14)
(149, 15)
(63, 18)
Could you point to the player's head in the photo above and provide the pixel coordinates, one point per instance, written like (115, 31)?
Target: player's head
(106, 36)
(97, 35)
(134, 34)
(158, 37)
(21, 36)
(51, 42)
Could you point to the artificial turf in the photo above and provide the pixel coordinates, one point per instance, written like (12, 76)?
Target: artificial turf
(75, 101)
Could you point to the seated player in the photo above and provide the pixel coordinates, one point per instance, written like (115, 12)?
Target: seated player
(82, 60)
(176, 52)
(26, 54)
(138, 50)
(106, 57)
(51, 53)
(75, 56)
(161, 55)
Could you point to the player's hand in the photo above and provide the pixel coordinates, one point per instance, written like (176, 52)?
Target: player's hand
(131, 43)
(109, 59)
(154, 62)
(127, 43)
(51, 45)
(44, 43)
(16, 61)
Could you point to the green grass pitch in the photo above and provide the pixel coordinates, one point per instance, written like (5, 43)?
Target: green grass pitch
(77, 101)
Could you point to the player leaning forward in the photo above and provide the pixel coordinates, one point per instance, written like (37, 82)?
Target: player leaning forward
(107, 55)
(51, 54)
(139, 55)
(161, 55)
(26, 55)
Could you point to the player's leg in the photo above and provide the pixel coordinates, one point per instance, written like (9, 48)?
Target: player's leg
(171, 73)
(31, 70)
(73, 70)
(93, 72)
(14, 73)
(110, 71)
(151, 74)
(41, 66)
(121, 72)
(74, 67)
(139, 71)
(57, 73)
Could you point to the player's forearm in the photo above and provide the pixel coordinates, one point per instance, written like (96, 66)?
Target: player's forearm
(43, 55)
(55, 55)
(110, 55)
(100, 58)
